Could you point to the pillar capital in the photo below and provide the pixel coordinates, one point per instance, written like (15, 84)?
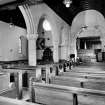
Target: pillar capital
(32, 36)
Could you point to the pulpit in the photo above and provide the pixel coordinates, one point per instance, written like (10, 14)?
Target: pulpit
(47, 55)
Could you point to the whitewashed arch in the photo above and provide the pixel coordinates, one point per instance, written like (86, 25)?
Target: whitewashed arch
(25, 10)
(93, 20)
(88, 18)
(31, 33)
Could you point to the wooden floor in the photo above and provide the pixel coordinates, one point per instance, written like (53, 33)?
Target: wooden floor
(98, 67)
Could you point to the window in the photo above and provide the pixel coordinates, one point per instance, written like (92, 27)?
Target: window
(20, 45)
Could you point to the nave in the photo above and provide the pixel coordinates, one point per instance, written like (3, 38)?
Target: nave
(52, 52)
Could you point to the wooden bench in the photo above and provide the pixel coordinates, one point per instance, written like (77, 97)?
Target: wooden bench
(61, 70)
(4, 82)
(79, 77)
(88, 72)
(9, 101)
(54, 71)
(18, 75)
(85, 74)
(51, 94)
(18, 72)
(79, 82)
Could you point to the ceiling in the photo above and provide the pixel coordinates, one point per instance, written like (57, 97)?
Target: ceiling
(77, 6)
(9, 10)
(10, 13)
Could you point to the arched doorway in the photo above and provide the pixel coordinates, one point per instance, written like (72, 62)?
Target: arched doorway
(44, 42)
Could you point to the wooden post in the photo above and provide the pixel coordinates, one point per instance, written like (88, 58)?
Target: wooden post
(70, 65)
(75, 99)
(31, 90)
(82, 84)
(47, 74)
(57, 71)
(18, 81)
(64, 67)
(33, 94)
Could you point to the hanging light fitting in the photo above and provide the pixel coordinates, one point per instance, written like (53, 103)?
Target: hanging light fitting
(67, 3)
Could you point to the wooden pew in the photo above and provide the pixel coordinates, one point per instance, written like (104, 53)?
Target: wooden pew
(31, 70)
(58, 70)
(61, 70)
(18, 76)
(77, 77)
(18, 80)
(79, 82)
(9, 101)
(80, 79)
(84, 74)
(88, 72)
(51, 94)
(63, 67)
(4, 82)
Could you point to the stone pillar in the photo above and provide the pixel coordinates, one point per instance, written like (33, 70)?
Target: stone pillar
(32, 49)
(56, 53)
(47, 73)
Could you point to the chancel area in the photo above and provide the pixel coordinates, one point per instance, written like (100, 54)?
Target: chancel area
(52, 52)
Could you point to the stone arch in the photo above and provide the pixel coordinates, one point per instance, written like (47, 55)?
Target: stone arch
(28, 19)
(31, 33)
(89, 21)
(87, 18)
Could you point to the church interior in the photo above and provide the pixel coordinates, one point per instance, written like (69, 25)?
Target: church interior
(52, 52)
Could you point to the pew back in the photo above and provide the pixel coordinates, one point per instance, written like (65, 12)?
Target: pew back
(51, 94)
(79, 82)
(85, 75)
(4, 82)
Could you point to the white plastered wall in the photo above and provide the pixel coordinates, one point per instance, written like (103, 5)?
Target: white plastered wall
(57, 23)
(9, 43)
